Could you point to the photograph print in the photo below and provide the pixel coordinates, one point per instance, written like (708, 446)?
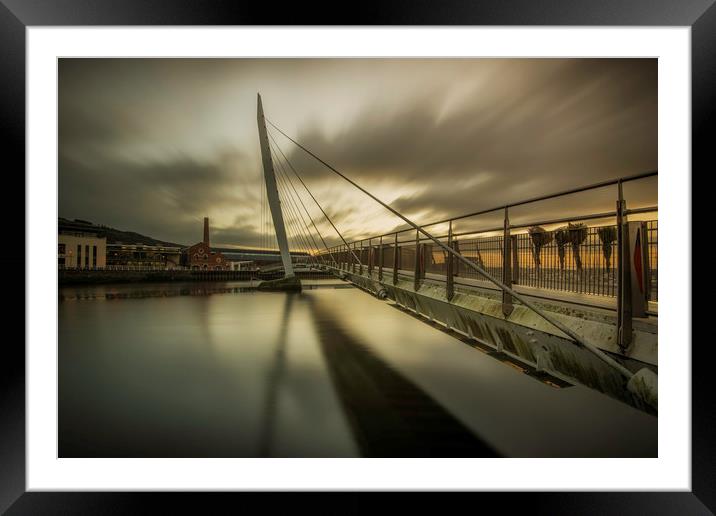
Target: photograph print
(357, 257)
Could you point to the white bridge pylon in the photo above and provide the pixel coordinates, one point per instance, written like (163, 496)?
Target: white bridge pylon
(272, 192)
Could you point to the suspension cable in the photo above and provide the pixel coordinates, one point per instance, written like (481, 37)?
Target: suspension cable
(298, 234)
(285, 179)
(290, 222)
(293, 208)
(325, 245)
(348, 247)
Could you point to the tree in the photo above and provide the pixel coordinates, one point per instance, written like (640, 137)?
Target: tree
(607, 234)
(540, 238)
(573, 234)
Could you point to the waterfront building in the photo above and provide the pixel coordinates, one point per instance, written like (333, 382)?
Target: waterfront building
(79, 246)
(120, 254)
(200, 256)
(243, 265)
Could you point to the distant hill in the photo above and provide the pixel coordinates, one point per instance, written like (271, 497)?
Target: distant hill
(114, 236)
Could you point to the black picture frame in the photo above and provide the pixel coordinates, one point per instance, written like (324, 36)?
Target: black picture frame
(16, 15)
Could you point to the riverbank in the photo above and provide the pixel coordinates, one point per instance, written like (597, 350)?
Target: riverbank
(68, 277)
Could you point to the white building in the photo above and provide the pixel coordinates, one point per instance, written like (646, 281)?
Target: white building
(81, 251)
(243, 265)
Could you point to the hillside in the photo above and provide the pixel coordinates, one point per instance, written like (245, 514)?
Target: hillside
(114, 236)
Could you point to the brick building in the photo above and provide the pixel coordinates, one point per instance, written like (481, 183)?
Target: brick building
(200, 255)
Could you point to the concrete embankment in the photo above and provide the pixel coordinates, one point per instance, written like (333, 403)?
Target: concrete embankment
(92, 277)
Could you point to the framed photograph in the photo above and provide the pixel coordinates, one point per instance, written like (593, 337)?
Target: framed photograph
(412, 250)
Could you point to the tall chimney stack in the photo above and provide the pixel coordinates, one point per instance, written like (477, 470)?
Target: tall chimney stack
(206, 230)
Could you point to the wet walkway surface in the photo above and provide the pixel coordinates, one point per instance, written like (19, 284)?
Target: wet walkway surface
(215, 370)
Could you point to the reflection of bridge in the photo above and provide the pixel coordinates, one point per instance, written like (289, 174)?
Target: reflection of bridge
(515, 286)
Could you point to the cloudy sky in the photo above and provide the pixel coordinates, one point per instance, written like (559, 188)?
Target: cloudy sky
(154, 145)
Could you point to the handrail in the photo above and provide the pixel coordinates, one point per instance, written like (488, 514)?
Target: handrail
(604, 215)
(594, 186)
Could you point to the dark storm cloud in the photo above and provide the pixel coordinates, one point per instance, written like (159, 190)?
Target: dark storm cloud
(519, 135)
(154, 145)
(165, 199)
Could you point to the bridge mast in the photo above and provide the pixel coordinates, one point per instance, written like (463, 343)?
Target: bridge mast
(272, 192)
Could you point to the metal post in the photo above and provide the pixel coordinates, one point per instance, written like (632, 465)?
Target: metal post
(370, 257)
(515, 260)
(360, 254)
(380, 260)
(619, 262)
(416, 271)
(507, 306)
(624, 309)
(645, 262)
(450, 261)
(396, 260)
(457, 262)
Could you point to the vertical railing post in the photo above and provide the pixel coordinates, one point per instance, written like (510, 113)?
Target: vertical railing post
(380, 259)
(353, 262)
(450, 261)
(507, 306)
(418, 260)
(645, 261)
(370, 257)
(624, 309)
(396, 260)
(457, 262)
(361, 258)
(515, 259)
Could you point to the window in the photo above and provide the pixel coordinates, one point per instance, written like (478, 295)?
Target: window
(86, 257)
(94, 256)
(79, 256)
(60, 248)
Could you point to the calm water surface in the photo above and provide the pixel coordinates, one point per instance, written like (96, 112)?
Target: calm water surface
(214, 370)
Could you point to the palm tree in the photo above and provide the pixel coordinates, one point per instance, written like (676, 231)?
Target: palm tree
(561, 237)
(540, 238)
(607, 234)
(573, 234)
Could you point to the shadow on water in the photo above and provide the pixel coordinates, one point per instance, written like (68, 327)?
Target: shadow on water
(389, 415)
(273, 382)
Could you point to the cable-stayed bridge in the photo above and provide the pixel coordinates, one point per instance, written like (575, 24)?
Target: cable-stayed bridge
(574, 297)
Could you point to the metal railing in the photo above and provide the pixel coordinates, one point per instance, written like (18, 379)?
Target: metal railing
(585, 268)
(579, 254)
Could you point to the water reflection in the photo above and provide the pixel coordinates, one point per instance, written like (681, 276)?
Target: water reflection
(323, 373)
(274, 380)
(147, 290)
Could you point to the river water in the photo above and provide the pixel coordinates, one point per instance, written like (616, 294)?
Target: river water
(216, 370)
